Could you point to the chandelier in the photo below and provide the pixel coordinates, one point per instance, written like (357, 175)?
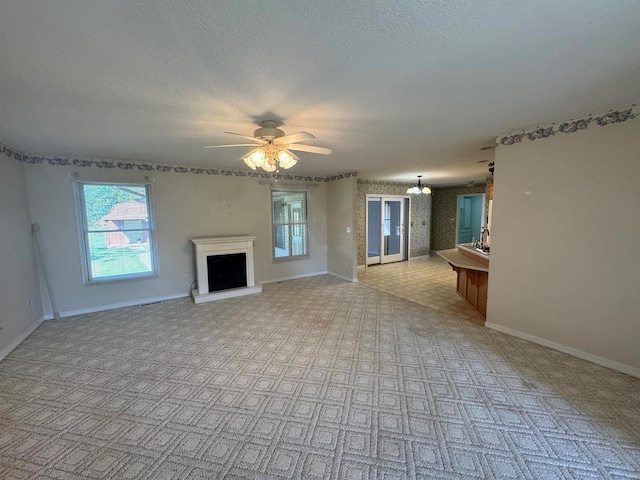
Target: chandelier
(270, 157)
(418, 189)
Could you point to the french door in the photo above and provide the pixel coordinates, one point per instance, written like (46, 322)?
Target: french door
(385, 230)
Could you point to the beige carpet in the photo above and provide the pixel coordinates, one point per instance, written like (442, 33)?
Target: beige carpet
(313, 378)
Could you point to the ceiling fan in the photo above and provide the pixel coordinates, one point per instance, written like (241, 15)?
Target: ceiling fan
(273, 148)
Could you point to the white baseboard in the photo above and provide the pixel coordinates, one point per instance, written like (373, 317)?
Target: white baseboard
(292, 277)
(132, 303)
(343, 277)
(360, 267)
(420, 257)
(620, 367)
(9, 348)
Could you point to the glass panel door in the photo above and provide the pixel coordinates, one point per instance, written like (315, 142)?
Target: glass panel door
(374, 211)
(392, 230)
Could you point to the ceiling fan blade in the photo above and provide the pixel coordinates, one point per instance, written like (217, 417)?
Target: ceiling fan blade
(235, 145)
(295, 137)
(311, 149)
(254, 139)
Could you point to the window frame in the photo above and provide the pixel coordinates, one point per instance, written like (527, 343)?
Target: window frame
(291, 224)
(82, 230)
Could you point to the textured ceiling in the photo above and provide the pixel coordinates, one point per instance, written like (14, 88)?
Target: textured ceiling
(395, 88)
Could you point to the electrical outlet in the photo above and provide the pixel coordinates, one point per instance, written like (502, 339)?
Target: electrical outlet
(185, 277)
(348, 229)
(30, 304)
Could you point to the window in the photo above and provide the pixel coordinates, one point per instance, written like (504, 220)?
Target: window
(289, 219)
(116, 234)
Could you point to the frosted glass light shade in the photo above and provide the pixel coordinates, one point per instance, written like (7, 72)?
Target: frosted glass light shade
(426, 190)
(285, 160)
(257, 158)
(249, 163)
(283, 156)
(270, 159)
(288, 163)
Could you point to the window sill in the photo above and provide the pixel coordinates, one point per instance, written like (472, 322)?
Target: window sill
(289, 259)
(119, 279)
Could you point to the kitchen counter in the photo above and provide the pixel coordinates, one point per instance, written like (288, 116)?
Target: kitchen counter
(472, 268)
(468, 247)
(457, 259)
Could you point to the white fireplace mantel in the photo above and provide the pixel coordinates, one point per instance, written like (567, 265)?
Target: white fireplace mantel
(210, 246)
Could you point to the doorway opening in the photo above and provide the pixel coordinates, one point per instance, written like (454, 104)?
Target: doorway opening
(470, 218)
(387, 238)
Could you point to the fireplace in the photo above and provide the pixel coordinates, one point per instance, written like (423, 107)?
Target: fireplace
(224, 268)
(227, 271)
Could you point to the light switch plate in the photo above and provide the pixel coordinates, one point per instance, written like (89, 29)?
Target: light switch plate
(348, 229)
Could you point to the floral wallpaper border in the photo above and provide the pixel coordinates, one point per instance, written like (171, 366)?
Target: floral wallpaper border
(385, 183)
(159, 167)
(571, 126)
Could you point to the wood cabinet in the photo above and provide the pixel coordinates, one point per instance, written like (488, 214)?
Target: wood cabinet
(473, 277)
(472, 286)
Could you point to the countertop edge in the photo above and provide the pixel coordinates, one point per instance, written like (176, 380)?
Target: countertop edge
(458, 260)
(474, 251)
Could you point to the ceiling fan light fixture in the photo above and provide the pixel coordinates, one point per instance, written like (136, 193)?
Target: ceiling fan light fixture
(273, 148)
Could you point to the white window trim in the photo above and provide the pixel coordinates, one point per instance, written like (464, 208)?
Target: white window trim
(82, 232)
(289, 258)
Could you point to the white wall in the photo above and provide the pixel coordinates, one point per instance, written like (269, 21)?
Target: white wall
(341, 215)
(186, 205)
(565, 260)
(18, 278)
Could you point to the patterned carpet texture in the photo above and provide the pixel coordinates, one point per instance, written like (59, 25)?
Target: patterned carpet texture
(315, 379)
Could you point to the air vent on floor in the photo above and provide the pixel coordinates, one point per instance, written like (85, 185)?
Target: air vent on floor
(150, 303)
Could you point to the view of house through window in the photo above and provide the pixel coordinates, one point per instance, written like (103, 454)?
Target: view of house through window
(289, 220)
(116, 231)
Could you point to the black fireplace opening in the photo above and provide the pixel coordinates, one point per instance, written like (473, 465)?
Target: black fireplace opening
(227, 271)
